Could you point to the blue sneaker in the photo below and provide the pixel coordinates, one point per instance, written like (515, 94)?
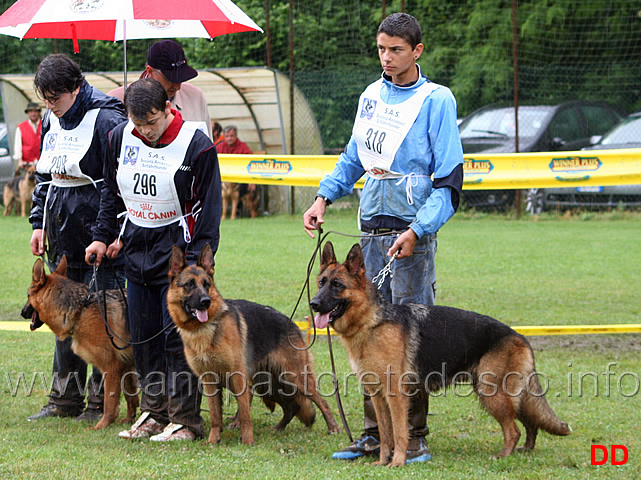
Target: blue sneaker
(417, 451)
(366, 445)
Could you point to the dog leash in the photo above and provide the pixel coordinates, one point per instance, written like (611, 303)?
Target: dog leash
(339, 402)
(103, 313)
(310, 266)
(386, 270)
(103, 309)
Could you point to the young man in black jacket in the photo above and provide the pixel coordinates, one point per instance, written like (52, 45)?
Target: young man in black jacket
(166, 172)
(66, 201)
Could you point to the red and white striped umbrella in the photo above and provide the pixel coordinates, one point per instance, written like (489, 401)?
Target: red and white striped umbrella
(123, 19)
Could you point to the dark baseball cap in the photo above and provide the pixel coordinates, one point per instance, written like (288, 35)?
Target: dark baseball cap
(32, 106)
(169, 57)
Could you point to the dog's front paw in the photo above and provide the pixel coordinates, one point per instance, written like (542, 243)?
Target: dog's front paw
(399, 459)
(214, 436)
(383, 459)
(103, 423)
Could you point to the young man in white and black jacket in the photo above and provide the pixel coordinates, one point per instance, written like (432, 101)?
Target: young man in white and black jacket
(166, 173)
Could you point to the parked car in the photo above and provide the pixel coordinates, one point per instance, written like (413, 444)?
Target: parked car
(626, 134)
(6, 162)
(542, 128)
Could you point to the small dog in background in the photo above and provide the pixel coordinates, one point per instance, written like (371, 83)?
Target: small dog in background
(233, 192)
(19, 190)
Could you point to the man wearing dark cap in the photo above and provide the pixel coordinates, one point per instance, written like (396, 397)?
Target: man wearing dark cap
(26, 146)
(166, 63)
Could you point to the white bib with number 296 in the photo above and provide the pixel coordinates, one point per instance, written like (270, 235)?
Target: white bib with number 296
(146, 177)
(380, 128)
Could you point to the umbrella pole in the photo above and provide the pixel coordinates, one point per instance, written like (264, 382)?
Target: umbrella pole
(124, 47)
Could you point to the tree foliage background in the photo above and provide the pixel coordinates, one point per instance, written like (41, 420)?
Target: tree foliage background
(567, 49)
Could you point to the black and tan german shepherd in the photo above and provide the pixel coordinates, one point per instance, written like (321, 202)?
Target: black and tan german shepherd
(433, 346)
(243, 346)
(69, 309)
(18, 191)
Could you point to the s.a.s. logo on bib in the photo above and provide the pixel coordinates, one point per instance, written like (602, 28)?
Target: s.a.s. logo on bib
(52, 140)
(131, 155)
(369, 106)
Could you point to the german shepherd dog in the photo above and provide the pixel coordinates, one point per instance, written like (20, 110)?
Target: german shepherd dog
(434, 346)
(232, 193)
(19, 190)
(69, 309)
(230, 196)
(242, 346)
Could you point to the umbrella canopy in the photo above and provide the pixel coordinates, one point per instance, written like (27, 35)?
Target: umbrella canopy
(123, 19)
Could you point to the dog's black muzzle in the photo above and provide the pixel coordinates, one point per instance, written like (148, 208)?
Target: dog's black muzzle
(315, 303)
(30, 313)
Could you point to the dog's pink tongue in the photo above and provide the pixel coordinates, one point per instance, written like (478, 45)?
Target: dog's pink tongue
(35, 323)
(321, 320)
(202, 316)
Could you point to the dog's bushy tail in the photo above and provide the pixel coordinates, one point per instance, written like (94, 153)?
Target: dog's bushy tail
(536, 409)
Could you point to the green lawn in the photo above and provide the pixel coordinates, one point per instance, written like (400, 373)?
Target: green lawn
(552, 270)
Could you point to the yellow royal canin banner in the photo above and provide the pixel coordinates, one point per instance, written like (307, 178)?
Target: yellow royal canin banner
(482, 172)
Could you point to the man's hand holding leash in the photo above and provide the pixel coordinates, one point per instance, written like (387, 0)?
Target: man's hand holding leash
(404, 244)
(96, 249)
(313, 218)
(100, 249)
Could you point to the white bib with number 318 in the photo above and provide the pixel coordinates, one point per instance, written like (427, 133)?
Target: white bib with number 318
(380, 128)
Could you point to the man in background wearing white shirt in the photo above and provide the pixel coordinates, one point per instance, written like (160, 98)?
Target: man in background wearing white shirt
(166, 63)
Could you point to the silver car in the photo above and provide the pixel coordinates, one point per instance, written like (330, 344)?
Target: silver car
(7, 169)
(626, 134)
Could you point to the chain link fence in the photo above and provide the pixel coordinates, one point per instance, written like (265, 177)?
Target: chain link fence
(488, 52)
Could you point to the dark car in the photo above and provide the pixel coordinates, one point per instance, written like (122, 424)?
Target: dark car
(542, 128)
(626, 134)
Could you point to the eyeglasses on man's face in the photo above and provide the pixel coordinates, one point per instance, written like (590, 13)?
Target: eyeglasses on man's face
(52, 98)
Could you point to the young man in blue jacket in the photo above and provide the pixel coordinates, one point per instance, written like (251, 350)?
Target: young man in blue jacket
(406, 139)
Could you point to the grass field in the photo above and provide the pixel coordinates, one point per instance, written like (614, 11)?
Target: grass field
(551, 270)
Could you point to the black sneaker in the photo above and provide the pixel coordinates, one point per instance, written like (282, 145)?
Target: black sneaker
(417, 451)
(51, 410)
(366, 445)
(91, 414)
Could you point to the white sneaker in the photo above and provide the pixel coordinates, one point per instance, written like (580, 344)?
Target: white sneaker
(174, 431)
(144, 427)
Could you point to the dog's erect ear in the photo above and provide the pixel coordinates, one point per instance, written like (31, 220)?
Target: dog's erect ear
(206, 259)
(38, 275)
(328, 257)
(176, 262)
(61, 269)
(355, 264)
